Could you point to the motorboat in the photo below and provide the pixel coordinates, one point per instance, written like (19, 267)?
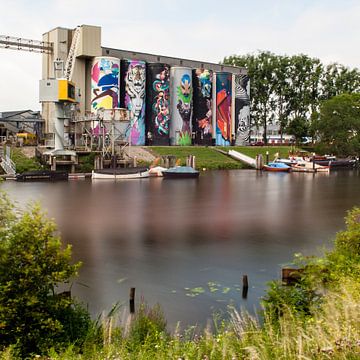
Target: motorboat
(277, 167)
(157, 171)
(181, 172)
(120, 173)
(309, 167)
(43, 175)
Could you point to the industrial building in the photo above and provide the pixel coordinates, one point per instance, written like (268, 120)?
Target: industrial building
(169, 101)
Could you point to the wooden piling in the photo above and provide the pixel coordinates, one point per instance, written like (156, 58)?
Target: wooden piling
(132, 300)
(245, 287)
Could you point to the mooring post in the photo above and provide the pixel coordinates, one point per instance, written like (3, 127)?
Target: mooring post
(245, 286)
(132, 300)
(267, 157)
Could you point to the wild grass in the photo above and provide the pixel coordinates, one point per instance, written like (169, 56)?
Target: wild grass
(333, 332)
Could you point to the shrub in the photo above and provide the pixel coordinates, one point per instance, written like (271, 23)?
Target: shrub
(32, 263)
(148, 325)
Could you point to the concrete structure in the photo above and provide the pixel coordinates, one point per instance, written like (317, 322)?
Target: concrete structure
(73, 52)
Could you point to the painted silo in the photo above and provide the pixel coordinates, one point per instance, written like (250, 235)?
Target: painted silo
(202, 123)
(181, 105)
(105, 83)
(223, 98)
(157, 104)
(132, 97)
(242, 109)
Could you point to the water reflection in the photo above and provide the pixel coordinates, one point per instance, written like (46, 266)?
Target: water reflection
(168, 237)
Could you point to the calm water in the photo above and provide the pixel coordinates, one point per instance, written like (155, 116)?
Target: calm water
(166, 237)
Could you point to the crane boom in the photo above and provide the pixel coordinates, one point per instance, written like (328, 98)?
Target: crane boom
(16, 43)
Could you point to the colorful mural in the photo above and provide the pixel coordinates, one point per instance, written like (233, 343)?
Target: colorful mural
(181, 106)
(105, 83)
(242, 109)
(223, 108)
(132, 97)
(202, 110)
(157, 104)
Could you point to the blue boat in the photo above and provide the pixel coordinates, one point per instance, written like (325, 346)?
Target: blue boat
(277, 167)
(181, 172)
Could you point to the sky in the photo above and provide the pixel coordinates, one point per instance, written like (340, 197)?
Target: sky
(205, 30)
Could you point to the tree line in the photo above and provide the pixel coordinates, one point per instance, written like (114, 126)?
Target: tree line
(290, 90)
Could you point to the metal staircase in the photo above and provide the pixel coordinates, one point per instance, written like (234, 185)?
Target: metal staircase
(70, 61)
(6, 163)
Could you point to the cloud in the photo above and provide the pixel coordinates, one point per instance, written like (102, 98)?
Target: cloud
(201, 30)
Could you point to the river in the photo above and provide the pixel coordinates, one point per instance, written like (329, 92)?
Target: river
(187, 243)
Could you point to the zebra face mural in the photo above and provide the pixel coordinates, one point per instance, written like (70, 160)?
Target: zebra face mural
(223, 108)
(134, 80)
(202, 111)
(242, 109)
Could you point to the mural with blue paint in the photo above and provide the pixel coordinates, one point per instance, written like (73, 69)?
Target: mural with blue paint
(105, 83)
(223, 108)
(202, 109)
(158, 104)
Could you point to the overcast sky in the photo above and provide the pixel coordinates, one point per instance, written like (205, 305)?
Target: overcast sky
(205, 30)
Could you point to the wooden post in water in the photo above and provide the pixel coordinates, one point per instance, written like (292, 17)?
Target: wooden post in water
(267, 157)
(245, 287)
(132, 300)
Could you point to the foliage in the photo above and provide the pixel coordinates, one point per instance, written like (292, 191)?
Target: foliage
(337, 124)
(296, 324)
(33, 317)
(147, 326)
(22, 162)
(285, 88)
(299, 128)
(206, 157)
(86, 163)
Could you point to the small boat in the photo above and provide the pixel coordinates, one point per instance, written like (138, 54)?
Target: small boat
(332, 162)
(309, 167)
(181, 172)
(43, 175)
(120, 173)
(277, 167)
(157, 171)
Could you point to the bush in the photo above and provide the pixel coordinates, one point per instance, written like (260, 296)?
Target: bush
(24, 163)
(33, 317)
(148, 325)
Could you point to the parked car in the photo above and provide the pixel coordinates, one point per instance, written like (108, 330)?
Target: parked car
(257, 143)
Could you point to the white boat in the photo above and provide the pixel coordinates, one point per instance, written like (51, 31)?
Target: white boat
(120, 174)
(157, 171)
(310, 167)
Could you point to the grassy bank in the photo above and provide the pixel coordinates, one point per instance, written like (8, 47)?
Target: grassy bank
(317, 318)
(209, 158)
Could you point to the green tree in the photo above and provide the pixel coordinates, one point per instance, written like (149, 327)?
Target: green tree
(298, 127)
(261, 71)
(337, 125)
(33, 317)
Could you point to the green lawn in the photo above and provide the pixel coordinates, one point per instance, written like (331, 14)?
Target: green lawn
(209, 158)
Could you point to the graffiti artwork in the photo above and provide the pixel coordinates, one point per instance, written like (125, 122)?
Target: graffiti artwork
(181, 104)
(158, 112)
(223, 108)
(105, 83)
(133, 98)
(202, 112)
(242, 109)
